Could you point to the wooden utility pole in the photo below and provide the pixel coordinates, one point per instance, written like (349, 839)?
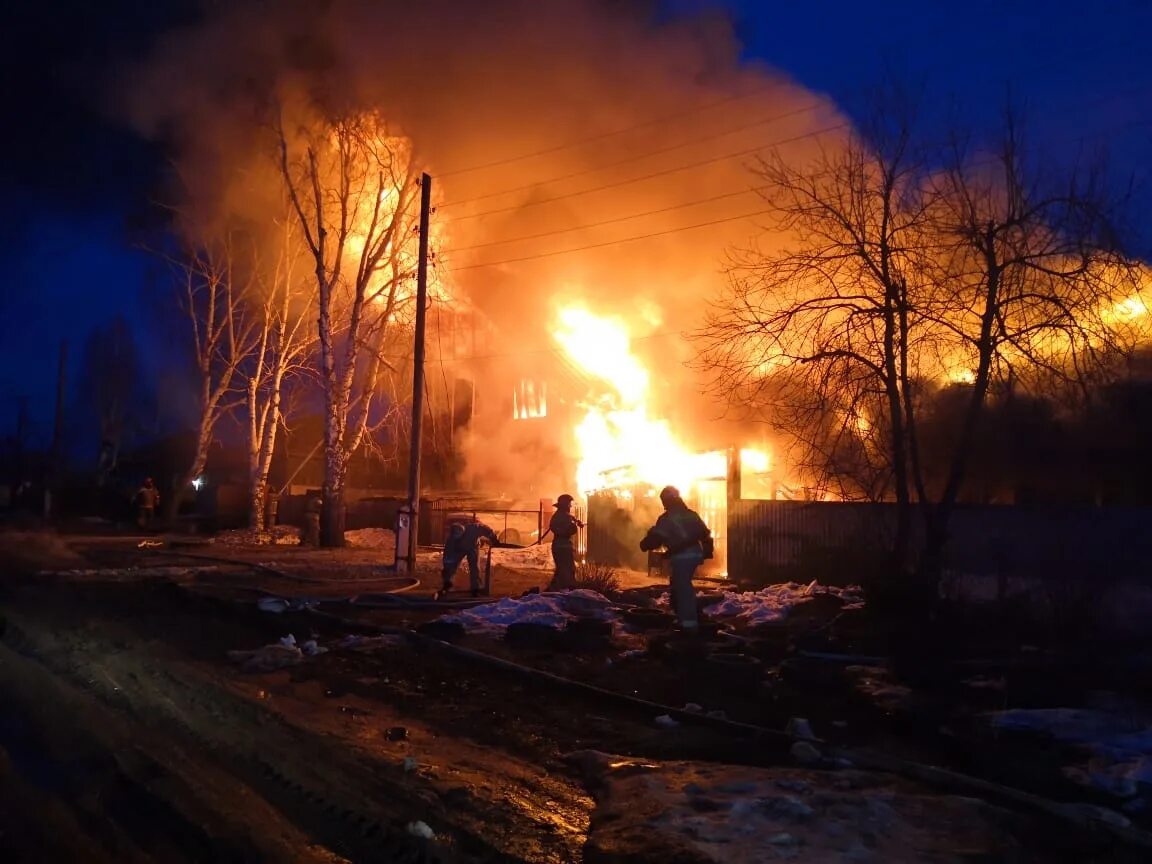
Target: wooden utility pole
(418, 373)
(57, 471)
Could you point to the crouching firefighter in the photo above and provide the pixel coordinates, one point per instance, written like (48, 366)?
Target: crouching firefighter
(463, 542)
(687, 542)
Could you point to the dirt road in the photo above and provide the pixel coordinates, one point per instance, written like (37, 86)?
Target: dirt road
(126, 734)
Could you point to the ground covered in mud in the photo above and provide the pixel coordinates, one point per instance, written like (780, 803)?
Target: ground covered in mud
(155, 710)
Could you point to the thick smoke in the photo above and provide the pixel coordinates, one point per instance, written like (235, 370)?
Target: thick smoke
(479, 87)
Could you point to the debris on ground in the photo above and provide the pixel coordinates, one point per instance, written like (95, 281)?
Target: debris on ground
(805, 753)
(1117, 747)
(278, 605)
(775, 602)
(421, 829)
(875, 683)
(371, 643)
(267, 659)
(702, 813)
(280, 535)
(798, 727)
(549, 609)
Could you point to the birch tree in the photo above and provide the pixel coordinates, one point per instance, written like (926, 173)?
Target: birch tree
(352, 185)
(215, 295)
(282, 341)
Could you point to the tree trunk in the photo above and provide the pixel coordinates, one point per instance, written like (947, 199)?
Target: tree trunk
(332, 515)
(257, 504)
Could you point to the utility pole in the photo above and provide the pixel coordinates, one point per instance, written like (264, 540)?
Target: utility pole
(418, 376)
(57, 433)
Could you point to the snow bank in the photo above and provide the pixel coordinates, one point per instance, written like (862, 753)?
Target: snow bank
(1118, 747)
(776, 601)
(528, 558)
(702, 813)
(281, 535)
(371, 538)
(552, 609)
(288, 535)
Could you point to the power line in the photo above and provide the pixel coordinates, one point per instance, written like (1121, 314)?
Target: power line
(614, 242)
(604, 135)
(631, 239)
(725, 195)
(833, 128)
(655, 121)
(1048, 63)
(642, 156)
(692, 203)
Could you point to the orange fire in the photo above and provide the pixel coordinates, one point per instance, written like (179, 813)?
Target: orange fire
(621, 445)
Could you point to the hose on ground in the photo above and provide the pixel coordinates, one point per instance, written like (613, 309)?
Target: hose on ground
(1070, 815)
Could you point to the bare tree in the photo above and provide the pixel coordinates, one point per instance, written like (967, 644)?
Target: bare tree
(215, 296)
(819, 332)
(282, 341)
(1027, 274)
(352, 186)
(893, 277)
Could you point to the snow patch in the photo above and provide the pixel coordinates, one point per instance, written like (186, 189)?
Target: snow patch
(712, 813)
(281, 535)
(371, 538)
(775, 602)
(1119, 748)
(537, 557)
(552, 609)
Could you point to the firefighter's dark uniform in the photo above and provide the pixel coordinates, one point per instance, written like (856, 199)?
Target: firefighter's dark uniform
(463, 543)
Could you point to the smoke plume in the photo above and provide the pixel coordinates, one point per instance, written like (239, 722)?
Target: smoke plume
(556, 132)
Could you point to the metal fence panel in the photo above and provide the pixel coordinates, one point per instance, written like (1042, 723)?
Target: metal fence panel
(983, 540)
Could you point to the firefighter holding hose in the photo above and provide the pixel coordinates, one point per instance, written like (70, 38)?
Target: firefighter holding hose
(564, 527)
(463, 543)
(687, 542)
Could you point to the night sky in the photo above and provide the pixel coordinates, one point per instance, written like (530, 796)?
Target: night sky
(71, 180)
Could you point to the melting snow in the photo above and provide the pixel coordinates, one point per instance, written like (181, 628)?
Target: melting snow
(281, 535)
(371, 538)
(537, 557)
(552, 609)
(1119, 748)
(776, 601)
(712, 813)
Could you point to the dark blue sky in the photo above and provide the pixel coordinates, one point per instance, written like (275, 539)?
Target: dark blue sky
(68, 180)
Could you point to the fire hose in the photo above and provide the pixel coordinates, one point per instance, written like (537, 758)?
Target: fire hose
(1080, 818)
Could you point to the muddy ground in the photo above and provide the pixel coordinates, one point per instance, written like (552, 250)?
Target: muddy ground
(128, 734)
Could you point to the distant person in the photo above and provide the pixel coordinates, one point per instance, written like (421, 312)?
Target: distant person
(686, 541)
(463, 543)
(310, 534)
(147, 500)
(564, 527)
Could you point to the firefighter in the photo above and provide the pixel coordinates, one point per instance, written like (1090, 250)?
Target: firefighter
(687, 541)
(463, 542)
(563, 526)
(147, 500)
(310, 534)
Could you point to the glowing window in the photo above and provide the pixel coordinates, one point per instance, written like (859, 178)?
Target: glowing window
(529, 399)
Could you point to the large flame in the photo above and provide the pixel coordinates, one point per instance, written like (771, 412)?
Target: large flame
(621, 445)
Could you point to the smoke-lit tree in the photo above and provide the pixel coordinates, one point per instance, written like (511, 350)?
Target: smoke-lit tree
(898, 269)
(284, 335)
(352, 184)
(216, 292)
